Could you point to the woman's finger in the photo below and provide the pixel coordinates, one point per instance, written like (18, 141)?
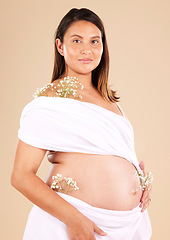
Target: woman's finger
(147, 192)
(145, 200)
(142, 166)
(146, 204)
(99, 230)
(145, 195)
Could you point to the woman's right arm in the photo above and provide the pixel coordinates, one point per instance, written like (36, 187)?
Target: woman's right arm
(24, 179)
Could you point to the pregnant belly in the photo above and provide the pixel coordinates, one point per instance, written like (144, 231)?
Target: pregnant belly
(104, 181)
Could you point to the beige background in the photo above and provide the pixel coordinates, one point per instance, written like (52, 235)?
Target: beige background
(138, 35)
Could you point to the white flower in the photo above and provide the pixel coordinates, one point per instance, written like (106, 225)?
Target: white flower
(58, 180)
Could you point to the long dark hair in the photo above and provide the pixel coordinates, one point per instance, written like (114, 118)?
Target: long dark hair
(101, 72)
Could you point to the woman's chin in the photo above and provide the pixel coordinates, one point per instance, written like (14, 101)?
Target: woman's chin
(86, 70)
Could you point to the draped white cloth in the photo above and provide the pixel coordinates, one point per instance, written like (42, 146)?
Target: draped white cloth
(69, 125)
(119, 225)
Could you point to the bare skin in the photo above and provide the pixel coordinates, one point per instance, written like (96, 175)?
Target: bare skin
(98, 176)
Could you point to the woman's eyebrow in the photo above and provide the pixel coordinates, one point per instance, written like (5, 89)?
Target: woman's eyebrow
(76, 35)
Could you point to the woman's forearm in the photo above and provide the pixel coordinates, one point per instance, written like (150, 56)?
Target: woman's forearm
(38, 192)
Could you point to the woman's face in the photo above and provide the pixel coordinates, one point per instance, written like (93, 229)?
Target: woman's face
(82, 47)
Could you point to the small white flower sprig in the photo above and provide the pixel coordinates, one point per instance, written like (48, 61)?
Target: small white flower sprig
(41, 91)
(64, 184)
(69, 87)
(65, 88)
(145, 180)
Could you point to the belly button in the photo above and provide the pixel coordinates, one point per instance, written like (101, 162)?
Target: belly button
(134, 192)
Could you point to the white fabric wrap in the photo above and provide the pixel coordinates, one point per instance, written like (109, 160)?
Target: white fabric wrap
(63, 124)
(119, 225)
(69, 125)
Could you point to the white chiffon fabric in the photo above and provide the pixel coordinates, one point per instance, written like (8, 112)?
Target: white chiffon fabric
(119, 225)
(69, 125)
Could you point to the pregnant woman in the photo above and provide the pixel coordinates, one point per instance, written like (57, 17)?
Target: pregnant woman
(95, 187)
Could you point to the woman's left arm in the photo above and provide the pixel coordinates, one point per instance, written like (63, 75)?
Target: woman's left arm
(146, 196)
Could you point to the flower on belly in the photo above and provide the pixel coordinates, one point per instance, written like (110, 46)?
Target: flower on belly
(64, 184)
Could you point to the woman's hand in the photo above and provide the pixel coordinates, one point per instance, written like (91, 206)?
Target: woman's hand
(82, 228)
(146, 196)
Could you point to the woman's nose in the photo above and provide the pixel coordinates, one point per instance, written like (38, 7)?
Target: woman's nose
(85, 49)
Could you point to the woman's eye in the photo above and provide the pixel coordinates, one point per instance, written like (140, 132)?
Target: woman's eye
(76, 40)
(95, 41)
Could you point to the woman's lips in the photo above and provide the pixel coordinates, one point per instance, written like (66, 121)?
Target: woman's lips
(85, 60)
